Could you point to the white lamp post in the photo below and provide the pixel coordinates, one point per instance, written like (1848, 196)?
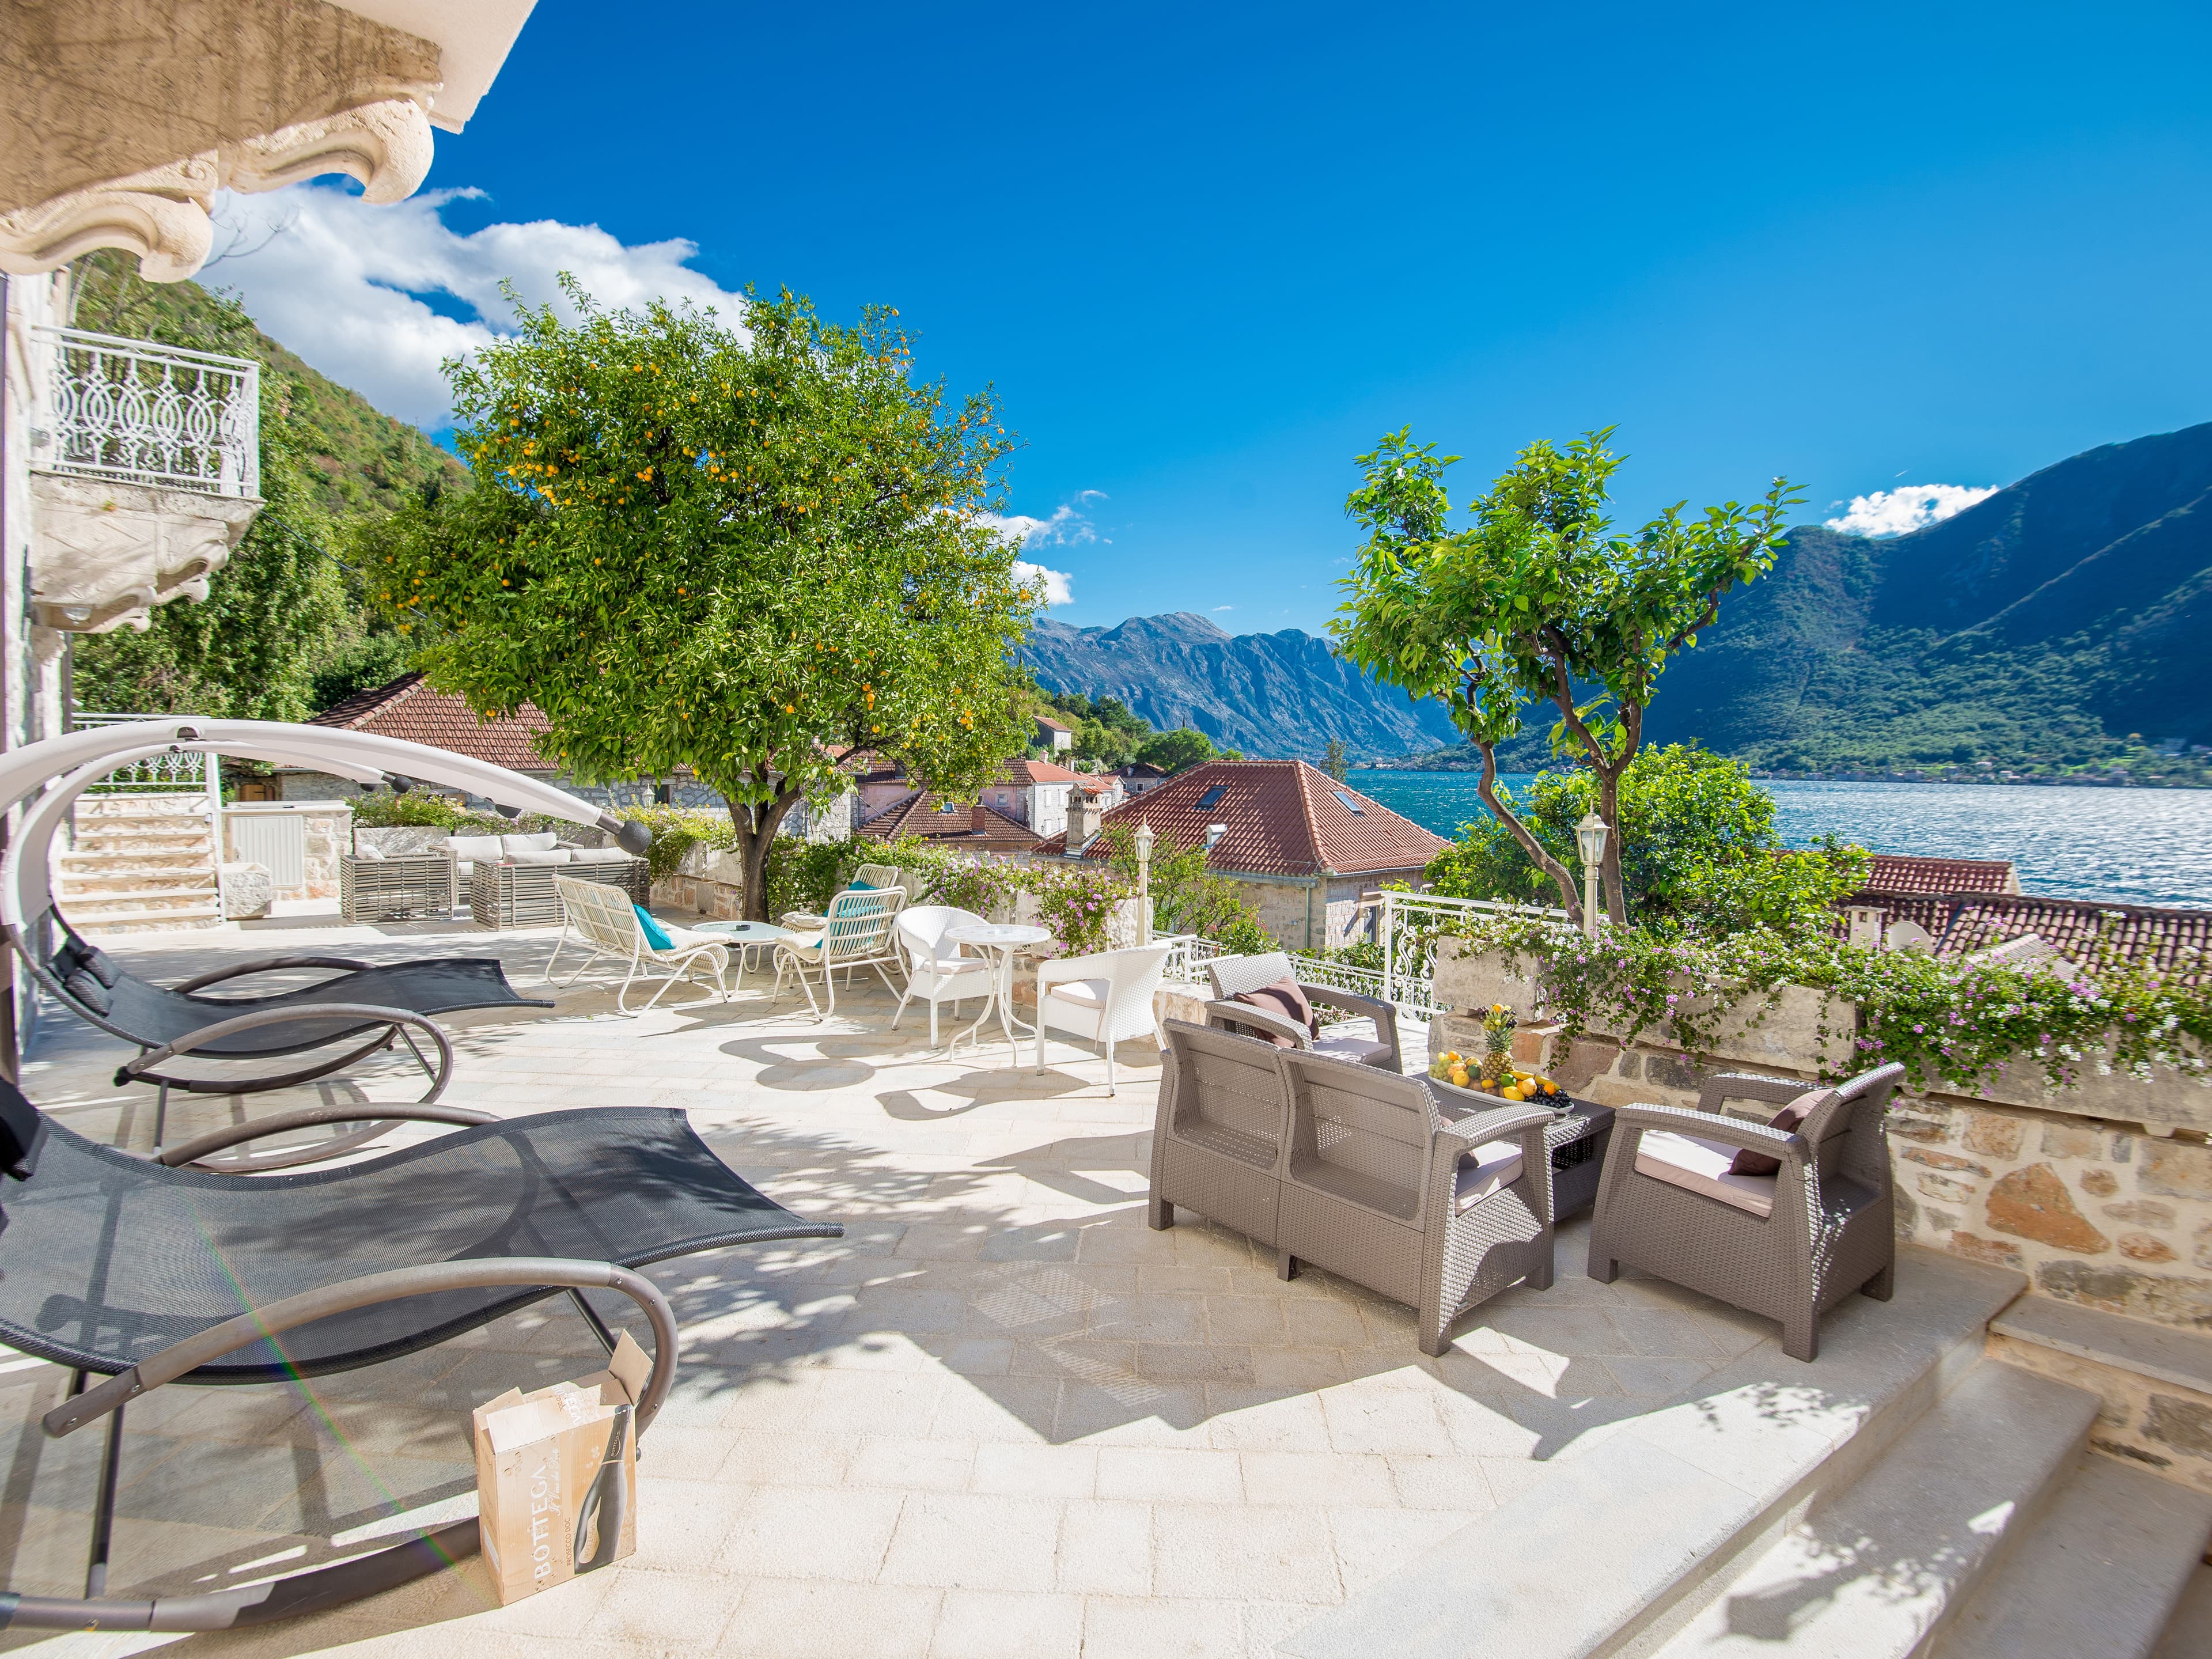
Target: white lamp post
(1590, 837)
(1142, 841)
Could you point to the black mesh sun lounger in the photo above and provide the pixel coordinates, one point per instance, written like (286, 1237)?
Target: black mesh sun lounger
(367, 1005)
(140, 1273)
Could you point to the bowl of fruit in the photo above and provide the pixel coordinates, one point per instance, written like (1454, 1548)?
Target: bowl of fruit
(1506, 1081)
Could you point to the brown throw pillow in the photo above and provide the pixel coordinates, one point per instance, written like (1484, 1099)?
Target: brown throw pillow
(1759, 1163)
(1283, 997)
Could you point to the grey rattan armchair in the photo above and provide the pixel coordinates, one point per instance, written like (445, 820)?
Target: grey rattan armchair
(1379, 1179)
(1229, 975)
(1788, 1246)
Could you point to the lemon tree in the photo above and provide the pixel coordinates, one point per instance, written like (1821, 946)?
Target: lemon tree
(747, 550)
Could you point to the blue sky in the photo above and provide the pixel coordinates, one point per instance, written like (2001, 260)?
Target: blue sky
(1207, 257)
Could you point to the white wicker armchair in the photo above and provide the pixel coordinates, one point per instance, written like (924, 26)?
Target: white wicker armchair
(1106, 997)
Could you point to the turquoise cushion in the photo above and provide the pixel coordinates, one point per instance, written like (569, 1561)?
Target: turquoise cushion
(655, 934)
(860, 887)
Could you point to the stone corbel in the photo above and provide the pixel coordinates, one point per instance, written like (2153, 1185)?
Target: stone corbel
(386, 145)
(105, 554)
(160, 216)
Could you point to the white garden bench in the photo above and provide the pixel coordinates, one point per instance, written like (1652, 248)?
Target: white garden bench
(604, 921)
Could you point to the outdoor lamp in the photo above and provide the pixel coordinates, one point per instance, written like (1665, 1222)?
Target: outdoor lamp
(1589, 836)
(1142, 841)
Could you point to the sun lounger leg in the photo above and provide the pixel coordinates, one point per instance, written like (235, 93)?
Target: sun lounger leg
(592, 1318)
(161, 1117)
(103, 1509)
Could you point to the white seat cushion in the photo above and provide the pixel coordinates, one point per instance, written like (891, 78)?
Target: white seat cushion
(475, 847)
(1084, 993)
(684, 939)
(598, 855)
(1490, 1166)
(1698, 1165)
(464, 867)
(541, 842)
(373, 853)
(538, 855)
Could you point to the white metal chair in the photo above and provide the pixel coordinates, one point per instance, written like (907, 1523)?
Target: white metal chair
(604, 922)
(856, 933)
(1106, 997)
(938, 970)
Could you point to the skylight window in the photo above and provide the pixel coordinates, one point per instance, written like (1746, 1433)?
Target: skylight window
(1212, 797)
(1350, 803)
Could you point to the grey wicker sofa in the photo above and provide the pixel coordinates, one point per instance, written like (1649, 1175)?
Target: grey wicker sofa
(1229, 975)
(1788, 1246)
(1380, 1179)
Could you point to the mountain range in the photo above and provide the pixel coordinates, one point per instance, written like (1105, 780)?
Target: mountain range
(2050, 626)
(1285, 694)
(2050, 623)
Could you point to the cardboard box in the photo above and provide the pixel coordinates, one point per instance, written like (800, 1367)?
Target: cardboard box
(556, 1476)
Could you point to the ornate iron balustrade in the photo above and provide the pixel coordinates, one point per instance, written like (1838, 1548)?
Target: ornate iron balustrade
(170, 772)
(145, 413)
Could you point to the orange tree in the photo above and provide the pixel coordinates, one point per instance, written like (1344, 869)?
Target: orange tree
(745, 551)
(1539, 600)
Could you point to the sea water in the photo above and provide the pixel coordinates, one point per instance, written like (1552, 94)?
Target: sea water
(2132, 845)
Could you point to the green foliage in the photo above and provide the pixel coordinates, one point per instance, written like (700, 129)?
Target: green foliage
(281, 622)
(1107, 733)
(1539, 600)
(738, 552)
(361, 664)
(1335, 761)
(1188, 897)
(425, 809)
(1180, 751)
(1698, 848)
(1956, 1025)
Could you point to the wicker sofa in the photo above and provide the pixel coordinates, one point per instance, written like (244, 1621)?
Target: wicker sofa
(1790, 1245)
(1398, 1184)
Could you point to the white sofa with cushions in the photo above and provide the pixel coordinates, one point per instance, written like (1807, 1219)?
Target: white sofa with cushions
(463, 853)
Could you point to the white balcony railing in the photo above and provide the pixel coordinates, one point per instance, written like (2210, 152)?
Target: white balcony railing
(141, 412)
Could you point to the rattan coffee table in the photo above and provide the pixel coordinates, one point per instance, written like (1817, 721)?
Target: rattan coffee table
(1577, 1141)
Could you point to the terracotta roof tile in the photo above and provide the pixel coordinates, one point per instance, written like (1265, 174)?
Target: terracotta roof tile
(1964, 923)
(982, 828)
(1905, 873)
(1284, 817)
(1031, 771)
(408, 709)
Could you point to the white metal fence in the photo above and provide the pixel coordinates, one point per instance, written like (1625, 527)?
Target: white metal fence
(170, 772)
(1410, 925)
(145, 413)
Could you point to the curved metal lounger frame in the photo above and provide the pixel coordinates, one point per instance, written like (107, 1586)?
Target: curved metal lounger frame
(73, 762)
(344, 1581)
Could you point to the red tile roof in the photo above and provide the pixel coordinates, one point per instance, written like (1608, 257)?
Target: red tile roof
(408, 709)
(982, 828)
(1031, 771)
(1284, 817)
(1905, 873)
(1051, 724)
(1964, 923)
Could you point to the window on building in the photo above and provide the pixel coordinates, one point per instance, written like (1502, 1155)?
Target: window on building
(1212, 797)
(1351, 804)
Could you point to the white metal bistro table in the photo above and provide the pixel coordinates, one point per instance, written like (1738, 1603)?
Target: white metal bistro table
(1003, 940)
(745, 938)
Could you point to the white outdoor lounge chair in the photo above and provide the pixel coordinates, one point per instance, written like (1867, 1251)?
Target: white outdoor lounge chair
(1106, 997)
(856, 933)
(869, 877)
(604, 921)
(937, 970)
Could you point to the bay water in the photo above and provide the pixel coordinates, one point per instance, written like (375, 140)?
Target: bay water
(2128, 846)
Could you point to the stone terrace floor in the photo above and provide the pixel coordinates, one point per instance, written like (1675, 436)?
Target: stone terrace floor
(1000, 1417)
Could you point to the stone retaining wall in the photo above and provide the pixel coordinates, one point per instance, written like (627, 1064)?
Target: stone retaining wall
(2101, 1195)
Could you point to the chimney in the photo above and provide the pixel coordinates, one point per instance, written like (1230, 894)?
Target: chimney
(977, 820)
(1083, 817)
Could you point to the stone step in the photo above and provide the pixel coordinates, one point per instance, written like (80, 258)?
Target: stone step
(144, 921)
(1632, 1527)
(2102, 1572)
(120, 866)
(143, 897)
(1876, 1570)
(2189, 1632)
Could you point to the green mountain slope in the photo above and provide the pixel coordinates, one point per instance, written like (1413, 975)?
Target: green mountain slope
(2058, 625)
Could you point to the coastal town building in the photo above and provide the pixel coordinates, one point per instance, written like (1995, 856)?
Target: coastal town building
(1311, 850)
(1054, 736)
(1140, 777)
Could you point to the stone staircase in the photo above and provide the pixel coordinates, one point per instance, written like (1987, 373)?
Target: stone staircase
(138, 864)
(1907, 1496)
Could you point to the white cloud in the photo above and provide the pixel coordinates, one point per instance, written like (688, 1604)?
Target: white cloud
(335, 279)
(1915, 506)
(1057, 585)
(1224, 607)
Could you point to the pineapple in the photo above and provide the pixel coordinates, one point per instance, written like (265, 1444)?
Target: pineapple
(1498, 1036)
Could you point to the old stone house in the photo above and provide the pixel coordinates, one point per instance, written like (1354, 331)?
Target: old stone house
(1312, 851)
